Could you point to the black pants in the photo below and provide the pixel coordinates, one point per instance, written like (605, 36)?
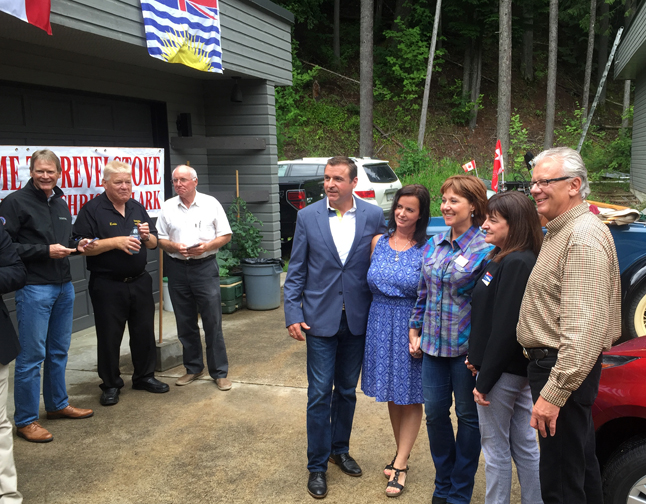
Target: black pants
(195, 288)
(569, 469)
(116, 303)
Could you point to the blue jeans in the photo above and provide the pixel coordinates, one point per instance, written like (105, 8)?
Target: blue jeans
(331, 361)
(455, 457)
(45, 330)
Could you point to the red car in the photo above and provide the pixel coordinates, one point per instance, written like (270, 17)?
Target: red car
(619, 415)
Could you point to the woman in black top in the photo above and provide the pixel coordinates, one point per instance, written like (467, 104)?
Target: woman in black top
(502, 389)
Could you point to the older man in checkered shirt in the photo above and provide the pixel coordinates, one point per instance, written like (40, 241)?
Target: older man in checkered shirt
(570, 313)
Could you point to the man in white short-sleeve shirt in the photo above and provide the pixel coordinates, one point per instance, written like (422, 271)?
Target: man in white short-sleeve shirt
(192, 227)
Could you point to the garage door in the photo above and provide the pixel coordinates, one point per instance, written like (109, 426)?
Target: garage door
(46, 116)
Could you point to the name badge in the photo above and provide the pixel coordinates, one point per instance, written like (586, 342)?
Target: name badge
(487, 279)
(461, 261)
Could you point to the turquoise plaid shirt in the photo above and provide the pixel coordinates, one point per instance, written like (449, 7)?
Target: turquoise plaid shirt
(443, 307)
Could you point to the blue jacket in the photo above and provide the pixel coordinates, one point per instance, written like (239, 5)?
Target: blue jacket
(317, 284)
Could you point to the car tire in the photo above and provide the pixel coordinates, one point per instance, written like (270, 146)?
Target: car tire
(624, 477)
(635, 316)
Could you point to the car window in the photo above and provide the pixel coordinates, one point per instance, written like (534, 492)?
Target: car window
(321, 170)
(304, 170)
(282, 169)
(380, 173)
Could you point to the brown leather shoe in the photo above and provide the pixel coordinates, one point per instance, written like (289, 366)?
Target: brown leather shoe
(223, 383)
(35, 433)
(188, 378)
(70, 412)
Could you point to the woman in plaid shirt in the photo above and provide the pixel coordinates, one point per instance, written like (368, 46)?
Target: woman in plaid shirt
(439, 333)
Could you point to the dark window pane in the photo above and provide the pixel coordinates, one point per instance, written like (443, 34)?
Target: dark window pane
(380, 173)
(303, 170)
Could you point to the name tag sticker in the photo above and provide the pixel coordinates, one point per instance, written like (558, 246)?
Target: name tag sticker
(461, 261)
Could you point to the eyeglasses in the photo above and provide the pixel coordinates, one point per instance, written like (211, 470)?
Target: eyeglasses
(545, 182)
(181, 180)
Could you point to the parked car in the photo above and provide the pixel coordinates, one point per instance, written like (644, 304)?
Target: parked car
(619, 415)
(300, 183)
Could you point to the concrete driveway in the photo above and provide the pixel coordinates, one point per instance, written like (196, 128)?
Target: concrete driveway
(196, 444)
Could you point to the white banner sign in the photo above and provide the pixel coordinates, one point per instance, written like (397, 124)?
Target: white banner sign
(82, 169)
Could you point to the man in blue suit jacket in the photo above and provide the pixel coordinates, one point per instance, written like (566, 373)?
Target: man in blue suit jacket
(327, 296)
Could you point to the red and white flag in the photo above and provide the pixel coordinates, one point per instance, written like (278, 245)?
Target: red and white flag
(34, 12)
(471, 165)
(498, 167)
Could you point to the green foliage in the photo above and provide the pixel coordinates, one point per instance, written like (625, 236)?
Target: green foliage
(246, 236)
(289, 100)
(401, 78)
(418, 167)
(462, 108)
(413, 161)
(518, 143)
(618, 153)
(226, 261)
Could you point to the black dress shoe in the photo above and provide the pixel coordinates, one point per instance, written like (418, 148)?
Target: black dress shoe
(347, 464)
(151, 384)
(317, 485)
(109, 397)
(438, 500)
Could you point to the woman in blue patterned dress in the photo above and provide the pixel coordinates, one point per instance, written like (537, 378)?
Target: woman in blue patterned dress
(390, 373)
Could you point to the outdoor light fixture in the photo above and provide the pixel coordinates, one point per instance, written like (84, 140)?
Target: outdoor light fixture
(236, 92)
(184, 126)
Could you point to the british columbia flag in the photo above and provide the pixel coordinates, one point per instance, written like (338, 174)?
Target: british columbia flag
(184, 31)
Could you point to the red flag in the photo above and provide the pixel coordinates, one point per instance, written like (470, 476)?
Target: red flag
(471, 165)
(35, 12)
(498, 167)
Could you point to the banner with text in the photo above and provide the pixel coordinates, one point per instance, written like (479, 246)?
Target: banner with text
(82, 169)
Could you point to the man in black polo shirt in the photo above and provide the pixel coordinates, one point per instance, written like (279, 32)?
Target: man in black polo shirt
(120, 287)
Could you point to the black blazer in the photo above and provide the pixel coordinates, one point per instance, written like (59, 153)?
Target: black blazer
(13, 275)
(495, 307)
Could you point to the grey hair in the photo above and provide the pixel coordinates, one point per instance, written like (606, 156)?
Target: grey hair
(114, 167)
(571, 163)
(190, 170)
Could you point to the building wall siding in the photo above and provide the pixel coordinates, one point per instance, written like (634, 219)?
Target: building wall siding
(254, 42)
(631, 53)
(638, 156)
(257, 170)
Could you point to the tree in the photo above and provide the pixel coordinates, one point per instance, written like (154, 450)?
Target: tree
(527, 59)
(337, 37)
(604, 31)
(429, 71)
(588, 59)
(365, 71)
(504, 75)
(550, 104)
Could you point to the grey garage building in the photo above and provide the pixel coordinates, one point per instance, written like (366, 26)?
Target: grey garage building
(630, 63)
(92, 83)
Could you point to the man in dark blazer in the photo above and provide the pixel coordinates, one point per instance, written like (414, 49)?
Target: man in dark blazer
(13, 275)
(327, 296)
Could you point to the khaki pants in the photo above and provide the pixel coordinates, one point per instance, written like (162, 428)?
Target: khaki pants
(8, 481)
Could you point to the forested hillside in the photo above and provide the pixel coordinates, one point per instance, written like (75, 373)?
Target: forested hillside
(319, 114)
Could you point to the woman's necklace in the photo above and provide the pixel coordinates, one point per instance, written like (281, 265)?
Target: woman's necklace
(396, 247)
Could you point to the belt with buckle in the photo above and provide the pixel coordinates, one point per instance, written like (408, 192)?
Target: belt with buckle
(539, 353)
(193, 262)
(121, 279)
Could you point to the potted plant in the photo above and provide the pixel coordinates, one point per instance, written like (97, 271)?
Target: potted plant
(261, 276)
